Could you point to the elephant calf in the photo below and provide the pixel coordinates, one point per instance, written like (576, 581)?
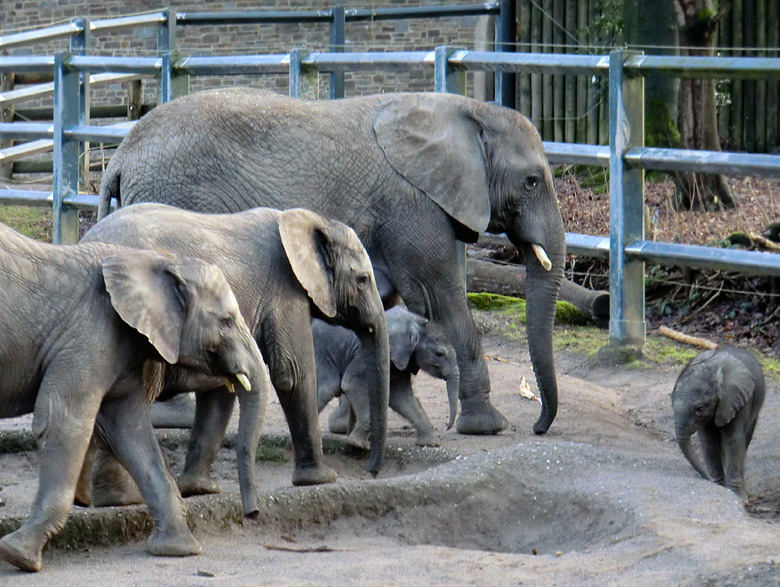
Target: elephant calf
(415, 343)
(719, 395)
(78, 327)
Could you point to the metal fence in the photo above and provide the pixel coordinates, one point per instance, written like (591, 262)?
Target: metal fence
(626, 157)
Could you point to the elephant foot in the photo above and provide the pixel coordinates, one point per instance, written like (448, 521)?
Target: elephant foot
(177, 542)
(20, 555)
(83, 497)
(480, 418)
(359, 438)
(190, 484)
(112, 485)
(338, 421)
(427, 439)
(316, 474)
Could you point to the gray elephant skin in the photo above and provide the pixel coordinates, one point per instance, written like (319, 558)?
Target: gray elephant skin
(410, 173)
(285, 268)
(719, 394)
(79, 325)
(415, 343)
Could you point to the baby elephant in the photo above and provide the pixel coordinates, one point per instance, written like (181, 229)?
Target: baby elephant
(719, 395)
(415, 343)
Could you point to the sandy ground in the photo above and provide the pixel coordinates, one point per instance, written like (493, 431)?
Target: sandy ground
(604, 498)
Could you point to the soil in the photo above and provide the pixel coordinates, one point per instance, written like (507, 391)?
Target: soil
(604, 498)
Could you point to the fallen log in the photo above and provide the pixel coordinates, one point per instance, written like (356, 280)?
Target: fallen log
(509, 280)
(686, 338)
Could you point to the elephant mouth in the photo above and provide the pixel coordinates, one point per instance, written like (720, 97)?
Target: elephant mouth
(541, 256)
(239, 378)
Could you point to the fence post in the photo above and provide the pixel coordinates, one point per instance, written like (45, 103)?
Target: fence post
(304, 81)
(78, 46)
(172, 84)
(506, 37)
(626, 197)
(66, 152)
(337, 41)
(6, 115)
(450, 80)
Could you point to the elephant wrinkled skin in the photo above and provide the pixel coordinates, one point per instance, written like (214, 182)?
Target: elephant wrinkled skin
(79, 325)
(719, 394)
(411, 173)
(284, 268)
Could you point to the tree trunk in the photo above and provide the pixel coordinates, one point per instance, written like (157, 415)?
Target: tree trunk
(698, 122)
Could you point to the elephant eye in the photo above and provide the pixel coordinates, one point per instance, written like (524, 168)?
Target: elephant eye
(227, 322)
(699, 409)
(531, 181)
(363, 279)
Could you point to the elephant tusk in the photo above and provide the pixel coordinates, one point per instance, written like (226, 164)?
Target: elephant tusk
(229, 385)
(244, 381)
(544, 260)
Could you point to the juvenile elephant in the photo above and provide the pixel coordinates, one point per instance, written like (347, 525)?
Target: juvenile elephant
(285, 268)
(78, 325)
(411, 173)
(719, 395)
(415, 343)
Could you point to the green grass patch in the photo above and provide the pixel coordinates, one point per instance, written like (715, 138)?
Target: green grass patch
(271, 450)
(514, 308)
(32, 221)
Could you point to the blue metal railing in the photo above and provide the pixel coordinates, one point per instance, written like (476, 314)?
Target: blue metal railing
(626, 156)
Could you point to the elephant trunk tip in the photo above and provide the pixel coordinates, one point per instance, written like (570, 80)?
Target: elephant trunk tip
(545, 420)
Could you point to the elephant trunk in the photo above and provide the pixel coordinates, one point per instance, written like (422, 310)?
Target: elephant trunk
(252, 409)
(684, 442)
(376, 342)
(453, 387)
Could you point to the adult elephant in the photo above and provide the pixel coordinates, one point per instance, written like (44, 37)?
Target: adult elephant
(411, 173)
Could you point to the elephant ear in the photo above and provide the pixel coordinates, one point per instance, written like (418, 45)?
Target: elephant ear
(735, 389)
(305, 240)
(149, 294)
(403, 330)
(432, 141)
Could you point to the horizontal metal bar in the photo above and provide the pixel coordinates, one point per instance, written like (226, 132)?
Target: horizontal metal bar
(705, 161)
(38, 198)
(362, 14)
(26, 130)
(329, 62)
(751, 262)
(123, 22)
(25, 150)
(577, 154)
(100, 134)
(39, 90)
(531, 62)
(95, 64)
(587, 245)
(234, 65)
(253, 17)
(27, 64)
(705, 67)
(40, 35)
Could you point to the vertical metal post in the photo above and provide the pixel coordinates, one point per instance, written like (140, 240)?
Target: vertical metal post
(78, 46)
(337, 40)
(506, 37)
(66, 152)
(172, 84)
(304, 81)
(452, 81)
(626, 205)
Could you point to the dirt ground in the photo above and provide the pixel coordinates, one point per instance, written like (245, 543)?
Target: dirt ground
(604, 498)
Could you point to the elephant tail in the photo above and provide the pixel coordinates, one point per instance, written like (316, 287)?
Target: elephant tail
(109, 188)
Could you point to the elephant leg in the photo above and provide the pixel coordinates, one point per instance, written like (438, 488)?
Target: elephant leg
(63, 422)
(83, 496)
(112, 485)
(338, 421)
(123, 426)
(403, 401)
(354, 384)
(427, 277)
(212, 414)
(734, 452)
(710, 442)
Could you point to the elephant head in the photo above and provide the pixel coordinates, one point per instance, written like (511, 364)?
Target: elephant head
(485, 166)
(331, 264)
(711, 389)
(417, 343)
(187, 310)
